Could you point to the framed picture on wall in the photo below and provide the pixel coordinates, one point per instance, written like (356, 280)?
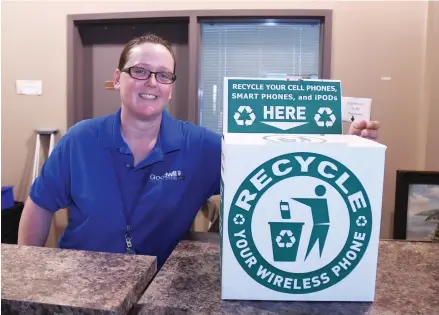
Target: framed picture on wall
(416, 215)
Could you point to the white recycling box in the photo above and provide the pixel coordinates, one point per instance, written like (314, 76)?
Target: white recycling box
(300, 217)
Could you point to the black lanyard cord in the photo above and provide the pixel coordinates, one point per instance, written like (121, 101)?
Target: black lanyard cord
(127, 214)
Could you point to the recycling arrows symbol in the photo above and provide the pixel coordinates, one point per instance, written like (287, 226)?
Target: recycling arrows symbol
(318, 117)
(238, 116)
(290, 239)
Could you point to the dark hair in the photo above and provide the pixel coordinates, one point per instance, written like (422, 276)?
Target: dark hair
(147, 38)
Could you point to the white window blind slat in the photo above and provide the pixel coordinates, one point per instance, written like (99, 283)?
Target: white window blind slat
(252, 50)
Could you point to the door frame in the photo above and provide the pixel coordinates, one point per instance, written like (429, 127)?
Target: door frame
(75, 46)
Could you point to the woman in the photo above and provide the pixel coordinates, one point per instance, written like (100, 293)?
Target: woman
(134, 180)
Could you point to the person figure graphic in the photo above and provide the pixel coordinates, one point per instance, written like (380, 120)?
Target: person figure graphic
(320, 216)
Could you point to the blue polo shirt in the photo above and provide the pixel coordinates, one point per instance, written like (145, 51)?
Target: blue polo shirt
(154, 203)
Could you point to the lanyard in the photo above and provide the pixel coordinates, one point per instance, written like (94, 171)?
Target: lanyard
(127, 214)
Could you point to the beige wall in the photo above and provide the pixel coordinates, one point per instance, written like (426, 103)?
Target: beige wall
(432, 87)
(371, 40)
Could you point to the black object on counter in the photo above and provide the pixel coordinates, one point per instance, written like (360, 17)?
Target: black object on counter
(10, 221)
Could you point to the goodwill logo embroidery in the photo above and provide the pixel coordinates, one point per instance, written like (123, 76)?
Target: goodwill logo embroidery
(172, 175)
(300, 223)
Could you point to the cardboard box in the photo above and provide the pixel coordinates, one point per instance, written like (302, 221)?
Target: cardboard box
(300, 217)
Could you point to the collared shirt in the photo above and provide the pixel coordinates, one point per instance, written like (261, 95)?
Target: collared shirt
(91, 172)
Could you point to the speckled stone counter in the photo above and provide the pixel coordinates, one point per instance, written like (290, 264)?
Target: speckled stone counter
(38, 280)
(189, 283)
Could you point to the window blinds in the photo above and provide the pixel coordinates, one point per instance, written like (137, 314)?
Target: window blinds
(252, 50)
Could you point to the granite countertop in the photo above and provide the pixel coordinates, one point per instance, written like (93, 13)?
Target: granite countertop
(189, 283)
(39, 280)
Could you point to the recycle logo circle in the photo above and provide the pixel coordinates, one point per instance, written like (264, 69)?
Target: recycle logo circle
(238, 116)
(318, 117)
(239, 219)
(289, 243)
(244, 236)
(361, 221)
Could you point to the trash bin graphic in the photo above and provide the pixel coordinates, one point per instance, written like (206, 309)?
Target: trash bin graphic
(285, 240)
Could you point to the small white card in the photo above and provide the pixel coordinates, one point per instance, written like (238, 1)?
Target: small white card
(29, 87)
(356, 108)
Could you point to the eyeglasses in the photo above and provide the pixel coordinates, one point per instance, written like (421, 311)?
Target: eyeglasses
(140, 73)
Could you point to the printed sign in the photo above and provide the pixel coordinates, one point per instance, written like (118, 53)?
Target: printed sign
(354, 108)
(300, 223)
(281, 106)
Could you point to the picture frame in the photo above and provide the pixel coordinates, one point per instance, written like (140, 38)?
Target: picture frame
(416, 212)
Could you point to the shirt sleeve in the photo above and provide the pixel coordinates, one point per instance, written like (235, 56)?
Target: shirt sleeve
(51, 189)
(211, 162)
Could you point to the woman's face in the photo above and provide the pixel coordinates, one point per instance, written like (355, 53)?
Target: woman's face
(145, 98)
